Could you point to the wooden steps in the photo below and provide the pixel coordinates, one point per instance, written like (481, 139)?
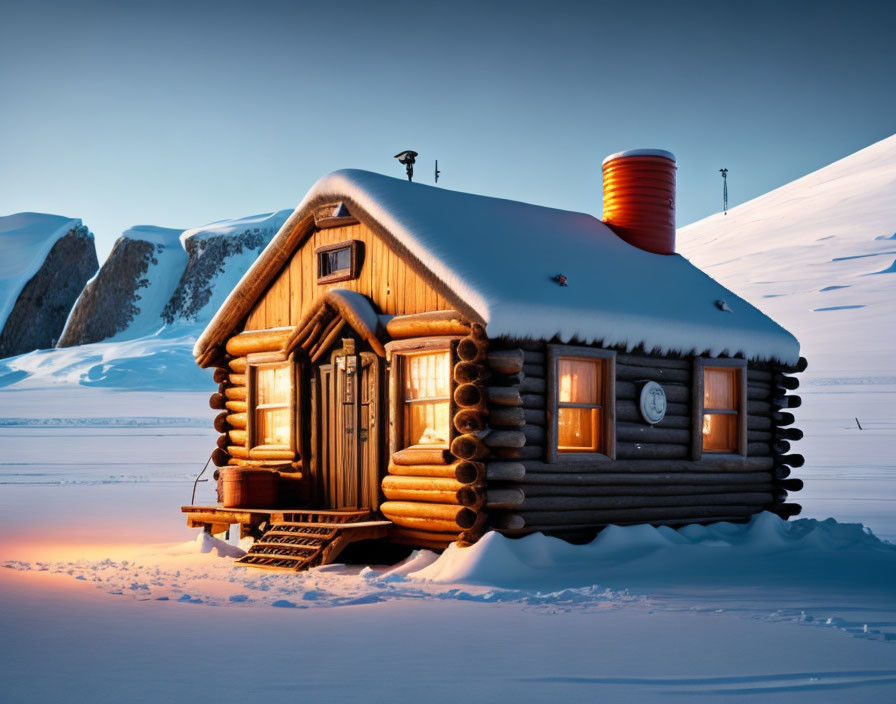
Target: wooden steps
(299, 540)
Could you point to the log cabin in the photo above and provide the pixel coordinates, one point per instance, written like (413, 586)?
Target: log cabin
(418, 365)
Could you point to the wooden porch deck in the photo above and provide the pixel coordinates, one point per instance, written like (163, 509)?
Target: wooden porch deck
(290, 539)
(218, 516)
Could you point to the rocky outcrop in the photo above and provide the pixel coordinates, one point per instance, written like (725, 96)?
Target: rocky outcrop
(130, 289)
(38, 315)
(219, 255)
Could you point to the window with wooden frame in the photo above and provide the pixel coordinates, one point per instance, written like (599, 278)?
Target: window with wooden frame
(425, 394)
(721, 404)
(582, 417)
(338, 262)
(272, 391)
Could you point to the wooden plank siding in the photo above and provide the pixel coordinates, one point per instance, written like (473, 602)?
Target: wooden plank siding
(385, 278)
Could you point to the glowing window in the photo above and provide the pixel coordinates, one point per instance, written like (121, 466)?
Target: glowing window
(273, 413)
(721, 400)
(580, 405)
(426, 384)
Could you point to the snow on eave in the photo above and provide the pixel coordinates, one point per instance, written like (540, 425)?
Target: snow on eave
(497, 258)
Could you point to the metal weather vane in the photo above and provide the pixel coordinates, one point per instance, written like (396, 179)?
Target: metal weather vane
(407, 158)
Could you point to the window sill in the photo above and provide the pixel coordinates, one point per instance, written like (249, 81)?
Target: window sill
(336, 277)
(580, 457)
(272, 452)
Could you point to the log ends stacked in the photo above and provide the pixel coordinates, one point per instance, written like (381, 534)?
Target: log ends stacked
(772, 388)
(471, 373)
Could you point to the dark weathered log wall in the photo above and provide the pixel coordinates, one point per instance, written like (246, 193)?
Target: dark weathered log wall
(653, 478)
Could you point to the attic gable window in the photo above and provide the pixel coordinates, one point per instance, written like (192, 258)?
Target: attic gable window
(582, 403)
(338, 262)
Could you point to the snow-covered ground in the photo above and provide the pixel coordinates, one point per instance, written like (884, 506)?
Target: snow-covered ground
(98, 572)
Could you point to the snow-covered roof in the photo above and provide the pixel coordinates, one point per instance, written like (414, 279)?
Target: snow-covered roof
(499, 258)
(25, 241)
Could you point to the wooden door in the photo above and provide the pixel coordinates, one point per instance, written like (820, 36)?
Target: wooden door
(348, 433)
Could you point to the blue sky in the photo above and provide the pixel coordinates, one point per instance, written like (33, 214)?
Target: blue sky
(177, 114)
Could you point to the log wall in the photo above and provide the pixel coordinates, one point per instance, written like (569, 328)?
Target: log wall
(654, 477)
(495, 473)
(233, 397)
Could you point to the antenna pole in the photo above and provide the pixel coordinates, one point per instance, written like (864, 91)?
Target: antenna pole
(724, 173)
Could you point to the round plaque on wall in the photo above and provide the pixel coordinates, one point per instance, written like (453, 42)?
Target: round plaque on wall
(653, 402)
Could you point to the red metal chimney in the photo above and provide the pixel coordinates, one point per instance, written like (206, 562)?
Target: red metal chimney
(639, 198)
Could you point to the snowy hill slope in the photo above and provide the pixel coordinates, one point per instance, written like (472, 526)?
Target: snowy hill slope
(44, 262)
(128, 293)
(819, 256)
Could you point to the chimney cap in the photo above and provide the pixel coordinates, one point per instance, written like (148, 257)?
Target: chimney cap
(640, 152)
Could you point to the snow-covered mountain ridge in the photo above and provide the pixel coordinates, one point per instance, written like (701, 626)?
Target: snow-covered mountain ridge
(45, 261)
(135, 321)
(157, 277)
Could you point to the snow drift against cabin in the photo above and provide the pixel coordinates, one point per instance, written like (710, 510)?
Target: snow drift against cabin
(500, 256)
